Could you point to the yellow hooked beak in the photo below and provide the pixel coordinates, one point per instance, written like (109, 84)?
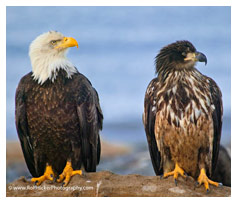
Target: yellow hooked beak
(67, 42)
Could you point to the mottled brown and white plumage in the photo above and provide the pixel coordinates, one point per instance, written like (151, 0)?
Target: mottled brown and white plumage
(182, 113)
(58, 115)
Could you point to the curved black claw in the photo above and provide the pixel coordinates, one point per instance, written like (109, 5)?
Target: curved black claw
(197, 184)
(35, 183)
(63, 183)
(28, 178)
(175, 182)
(54, 179)
(83, 175)
(220, 185)
(207, 191)
(161, 176)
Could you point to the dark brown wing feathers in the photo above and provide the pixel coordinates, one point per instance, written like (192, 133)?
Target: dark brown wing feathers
(217, 120)
(149, 123)
(90, 119)
(22, 130)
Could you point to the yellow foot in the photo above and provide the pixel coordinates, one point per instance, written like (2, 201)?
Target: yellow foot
(67, 173)
(48, 175)
(177, 171)
(203, 179)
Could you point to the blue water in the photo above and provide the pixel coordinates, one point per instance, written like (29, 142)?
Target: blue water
(117, 46)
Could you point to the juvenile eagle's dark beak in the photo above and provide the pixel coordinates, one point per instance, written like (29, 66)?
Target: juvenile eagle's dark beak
(201, 57)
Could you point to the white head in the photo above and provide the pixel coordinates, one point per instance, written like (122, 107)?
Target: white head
(48, 54)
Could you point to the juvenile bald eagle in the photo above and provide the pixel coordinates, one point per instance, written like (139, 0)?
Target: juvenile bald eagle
(183, 116)
(57, 114)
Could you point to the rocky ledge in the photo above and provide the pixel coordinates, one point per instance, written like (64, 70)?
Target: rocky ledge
(105, 183)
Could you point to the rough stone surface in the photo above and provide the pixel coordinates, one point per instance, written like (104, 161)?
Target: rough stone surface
(105, 183)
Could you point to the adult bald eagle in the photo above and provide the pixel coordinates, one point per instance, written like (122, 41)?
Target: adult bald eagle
(58, 115)
(183, 116)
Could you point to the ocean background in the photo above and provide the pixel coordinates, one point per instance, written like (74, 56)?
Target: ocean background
(117, 47)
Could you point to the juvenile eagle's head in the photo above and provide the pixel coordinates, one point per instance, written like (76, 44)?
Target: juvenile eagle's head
(177, 56)
(48, 54)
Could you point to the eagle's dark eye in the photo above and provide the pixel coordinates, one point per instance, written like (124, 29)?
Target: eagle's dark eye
(184, 53)
(53, 42)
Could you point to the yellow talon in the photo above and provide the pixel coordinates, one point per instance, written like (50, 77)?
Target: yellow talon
(205, 180)
(176, 172)
(48, 175)
(67, 173)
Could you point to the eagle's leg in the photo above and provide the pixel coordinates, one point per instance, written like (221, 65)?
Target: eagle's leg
(67, 173)
(176, 172)
(48, 175)
(205, 180)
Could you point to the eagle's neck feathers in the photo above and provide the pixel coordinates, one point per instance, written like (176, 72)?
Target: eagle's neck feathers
(45, 67)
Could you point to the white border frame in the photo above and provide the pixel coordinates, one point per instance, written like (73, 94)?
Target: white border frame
(5, 3)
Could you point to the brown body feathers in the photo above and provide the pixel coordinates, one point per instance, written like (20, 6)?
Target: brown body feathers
(58, 121)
